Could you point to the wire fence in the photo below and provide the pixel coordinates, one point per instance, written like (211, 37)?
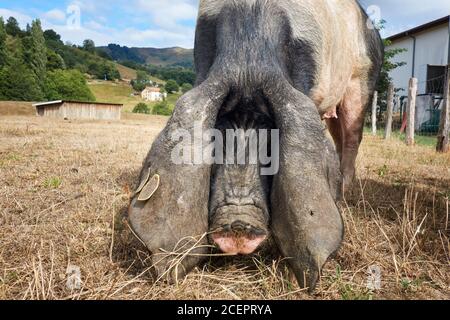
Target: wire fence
(429, 106)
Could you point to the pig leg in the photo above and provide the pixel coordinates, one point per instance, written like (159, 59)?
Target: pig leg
(334, 127)
(306, 222)
(170, 213)
(351, 118)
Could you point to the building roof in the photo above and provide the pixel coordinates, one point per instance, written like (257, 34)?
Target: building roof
(152, 89)
(420, 28)
(49, 103)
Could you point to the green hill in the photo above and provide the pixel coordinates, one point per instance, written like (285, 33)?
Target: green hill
(121, 92)
(159, 57)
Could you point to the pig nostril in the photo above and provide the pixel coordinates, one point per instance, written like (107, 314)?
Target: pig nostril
(239, 226)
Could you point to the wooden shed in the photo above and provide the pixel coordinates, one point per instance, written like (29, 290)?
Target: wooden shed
(79, 110)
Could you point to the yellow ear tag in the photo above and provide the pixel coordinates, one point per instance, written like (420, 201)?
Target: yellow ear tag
(143, 182)
(149, 189)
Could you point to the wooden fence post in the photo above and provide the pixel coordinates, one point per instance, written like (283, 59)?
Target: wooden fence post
(411, 109)
(374, 113)
(390, 111)
(443, 144)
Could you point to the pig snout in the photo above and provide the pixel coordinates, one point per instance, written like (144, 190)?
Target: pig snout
(238, 231)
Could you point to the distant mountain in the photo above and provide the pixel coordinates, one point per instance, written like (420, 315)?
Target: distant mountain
(160, 57)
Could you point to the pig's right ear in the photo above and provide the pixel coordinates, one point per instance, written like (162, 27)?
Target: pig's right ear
(169, 211)
(306, 223)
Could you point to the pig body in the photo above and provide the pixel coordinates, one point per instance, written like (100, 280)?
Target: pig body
(285, 65)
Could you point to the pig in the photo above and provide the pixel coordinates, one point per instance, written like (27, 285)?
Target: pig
(307, 68)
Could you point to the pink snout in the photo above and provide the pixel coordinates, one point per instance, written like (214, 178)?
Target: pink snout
(234, 245)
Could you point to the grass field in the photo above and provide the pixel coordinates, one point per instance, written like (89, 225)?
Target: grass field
(121, 92)
(65, 187)
(125, 72)
(423, 140)
(8, 108)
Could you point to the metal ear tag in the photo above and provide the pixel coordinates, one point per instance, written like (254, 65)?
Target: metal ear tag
(149, 189)
(143, 182)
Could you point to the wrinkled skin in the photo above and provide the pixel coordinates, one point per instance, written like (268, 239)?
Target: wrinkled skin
(239, 211)
(248, 65)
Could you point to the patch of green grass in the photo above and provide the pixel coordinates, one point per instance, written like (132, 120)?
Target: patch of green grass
(171, 102)
(348, 292)
(383, 171)
(10, 277)
(429, 141)
(10, 157)
(119, 92)
(52, 183)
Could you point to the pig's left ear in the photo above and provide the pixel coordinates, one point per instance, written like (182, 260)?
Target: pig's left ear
(169, 211)
(306, 223)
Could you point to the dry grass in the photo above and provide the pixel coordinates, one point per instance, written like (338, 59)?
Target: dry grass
(9, 108)
(65, 186)
(125, 72)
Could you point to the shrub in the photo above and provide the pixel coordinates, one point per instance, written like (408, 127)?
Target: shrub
(162, 109)
(67, 85)
(141, 108)
(186, 87)
(172, 86)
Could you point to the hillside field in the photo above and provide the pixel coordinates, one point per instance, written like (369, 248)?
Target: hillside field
(65, 187)
(125, 72)
(121, 92)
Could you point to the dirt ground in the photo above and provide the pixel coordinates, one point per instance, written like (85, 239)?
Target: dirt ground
(65, 187)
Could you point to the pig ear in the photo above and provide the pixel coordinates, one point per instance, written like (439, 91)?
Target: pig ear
(149, 189)
(144, 181)
(169, 212)
(306, 222)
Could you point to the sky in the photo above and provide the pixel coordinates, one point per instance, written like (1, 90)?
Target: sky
(170, 23)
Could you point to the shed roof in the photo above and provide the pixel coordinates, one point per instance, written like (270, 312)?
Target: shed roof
(48, 103)
(152, 89)
(420, 28)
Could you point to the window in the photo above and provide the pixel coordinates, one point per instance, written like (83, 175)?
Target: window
(435, 79)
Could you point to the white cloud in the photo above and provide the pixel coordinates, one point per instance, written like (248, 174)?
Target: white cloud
(55, 15)
(167, 14)
(162, 23)
(23, 19)
(401, 15)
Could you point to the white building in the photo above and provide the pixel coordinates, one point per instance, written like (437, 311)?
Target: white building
(426, 56)
(153, 94)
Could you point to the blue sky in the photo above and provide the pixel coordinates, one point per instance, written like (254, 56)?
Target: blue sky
(167, 23)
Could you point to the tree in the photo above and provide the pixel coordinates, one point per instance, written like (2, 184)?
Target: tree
(388, 66)
(37, 52)
(54, 61)
(18, 83)
(141, 108)
(2, 42)
(103, 70)
(67, 85)
(13, 28)
(89, 45)
(51, 35)
(54, 42)
(172, 86)
(186, 87)
(162, 108)
(141, 81)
